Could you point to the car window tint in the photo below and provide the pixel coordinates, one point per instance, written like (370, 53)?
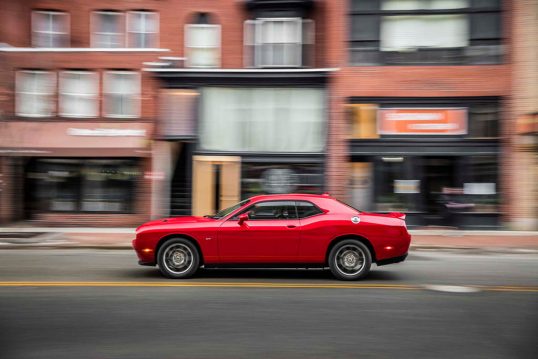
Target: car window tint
(307, 209)
(272, 210)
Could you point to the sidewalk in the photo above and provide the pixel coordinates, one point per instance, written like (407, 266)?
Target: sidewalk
(120, 238)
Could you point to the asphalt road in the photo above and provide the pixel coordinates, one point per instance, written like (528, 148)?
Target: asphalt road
(101, 304)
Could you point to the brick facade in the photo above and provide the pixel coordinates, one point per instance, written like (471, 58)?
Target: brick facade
(331, 25)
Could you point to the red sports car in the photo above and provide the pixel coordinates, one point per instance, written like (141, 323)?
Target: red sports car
(288, 230)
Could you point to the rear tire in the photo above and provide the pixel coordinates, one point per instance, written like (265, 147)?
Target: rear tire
(178, 258)
(350, 260)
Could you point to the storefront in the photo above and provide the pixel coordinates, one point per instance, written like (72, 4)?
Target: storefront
(242, 133)
(68, 173)
(436, 159)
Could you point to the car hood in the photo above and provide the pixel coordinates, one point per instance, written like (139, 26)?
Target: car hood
(175, 220)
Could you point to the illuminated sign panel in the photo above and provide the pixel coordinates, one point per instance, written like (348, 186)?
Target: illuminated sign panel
(422, 121)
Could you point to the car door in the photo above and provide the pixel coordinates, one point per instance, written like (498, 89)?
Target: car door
(269, 235)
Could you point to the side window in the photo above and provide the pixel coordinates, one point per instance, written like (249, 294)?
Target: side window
(271, 210)
(307, 209)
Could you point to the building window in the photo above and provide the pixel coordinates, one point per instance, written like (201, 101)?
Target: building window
(35, 92)
(278, 42)
(202, 45)
(143, 29)
(50, 29)
(121, 94)
(108, 29)
(394, 32)
(78, 94)
(266, 119)
(83, 185)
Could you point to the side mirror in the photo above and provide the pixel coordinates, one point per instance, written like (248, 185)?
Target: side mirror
(242, 218)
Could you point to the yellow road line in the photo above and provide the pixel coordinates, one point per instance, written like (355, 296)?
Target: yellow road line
(251, 285)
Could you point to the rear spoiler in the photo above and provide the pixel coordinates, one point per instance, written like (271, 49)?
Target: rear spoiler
(399, 215)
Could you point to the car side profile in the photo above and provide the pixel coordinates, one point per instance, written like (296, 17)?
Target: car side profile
(288, 230)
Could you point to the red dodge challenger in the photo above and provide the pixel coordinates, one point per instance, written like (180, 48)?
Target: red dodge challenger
(288, 230)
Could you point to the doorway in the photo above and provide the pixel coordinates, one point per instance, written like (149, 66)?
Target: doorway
(440, 179)
(216, 183)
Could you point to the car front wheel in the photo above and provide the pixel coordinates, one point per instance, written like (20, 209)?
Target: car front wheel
(178, 258)
(350, 260)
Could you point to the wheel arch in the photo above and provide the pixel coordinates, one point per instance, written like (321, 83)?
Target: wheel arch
(183, 236)
(356, 237)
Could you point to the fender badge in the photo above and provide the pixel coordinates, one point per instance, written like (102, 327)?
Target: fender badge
(355, 220)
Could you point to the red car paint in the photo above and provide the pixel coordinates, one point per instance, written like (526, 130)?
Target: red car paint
(279, 241)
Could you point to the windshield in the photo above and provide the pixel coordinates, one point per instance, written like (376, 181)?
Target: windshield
(227, 211)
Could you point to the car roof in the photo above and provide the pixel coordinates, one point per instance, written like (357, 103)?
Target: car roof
(289, 196)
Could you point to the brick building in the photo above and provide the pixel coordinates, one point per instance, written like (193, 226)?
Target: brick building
(117, 111)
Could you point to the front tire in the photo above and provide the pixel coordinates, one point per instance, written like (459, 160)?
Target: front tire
(178, 258)
(350, 260)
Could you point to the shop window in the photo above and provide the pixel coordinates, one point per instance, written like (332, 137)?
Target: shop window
(278, 42)
(50, 29)
(362, 120)
(273, 178)
(262, 119)
(35, 92)
(394, 32)
(78, 94)
(121, 94)
(143, 29)
(202, 43)
(83, 185)
(484, 120)
(108, 29)
(480, 184)
(397, 187)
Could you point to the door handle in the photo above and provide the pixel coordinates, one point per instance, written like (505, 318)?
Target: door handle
(291, 226)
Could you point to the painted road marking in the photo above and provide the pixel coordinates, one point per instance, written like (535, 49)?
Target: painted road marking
(255, 285)
(452, 288)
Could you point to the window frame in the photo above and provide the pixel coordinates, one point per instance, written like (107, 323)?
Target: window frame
(313, 204)
(129, 34)
(188, 47)
(247, 209)
(18, 80)
(106, 93)
(50, 33)
(423, 56)
(95, 20)
(94, 97)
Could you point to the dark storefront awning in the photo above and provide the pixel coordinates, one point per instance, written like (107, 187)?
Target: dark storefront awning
(423, 147)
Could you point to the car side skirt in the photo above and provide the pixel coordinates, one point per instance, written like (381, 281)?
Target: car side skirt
(391, 260)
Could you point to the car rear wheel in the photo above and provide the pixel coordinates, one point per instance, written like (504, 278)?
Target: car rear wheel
(350, 260)
(178, 258)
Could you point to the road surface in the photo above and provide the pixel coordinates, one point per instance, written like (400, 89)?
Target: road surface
(101, 304)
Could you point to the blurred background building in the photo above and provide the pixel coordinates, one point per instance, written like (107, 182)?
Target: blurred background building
(114, 112)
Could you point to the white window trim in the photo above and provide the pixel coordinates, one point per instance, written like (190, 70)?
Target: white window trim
(106, 93)
(94, 96)
(61, 13)
(94, 29)
(188, 46)
(18, 80)
(128, 33)
(258, 43)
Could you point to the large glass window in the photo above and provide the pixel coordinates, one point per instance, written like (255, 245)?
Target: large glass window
(78, 94)
(108, 29)
(84, 185)
(35, 92)
(263, 119)
(273, 178)
(393, 32)
(121, 94)
(50, 29)
(202, 45)
(143, 29)
(397, 184)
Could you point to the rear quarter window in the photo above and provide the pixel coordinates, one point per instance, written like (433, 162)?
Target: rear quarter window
(307, 209)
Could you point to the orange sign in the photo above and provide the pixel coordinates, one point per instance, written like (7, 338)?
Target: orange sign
(422, 121)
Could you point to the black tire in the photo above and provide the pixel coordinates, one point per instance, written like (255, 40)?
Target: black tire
(350, 260)
(178, 258)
